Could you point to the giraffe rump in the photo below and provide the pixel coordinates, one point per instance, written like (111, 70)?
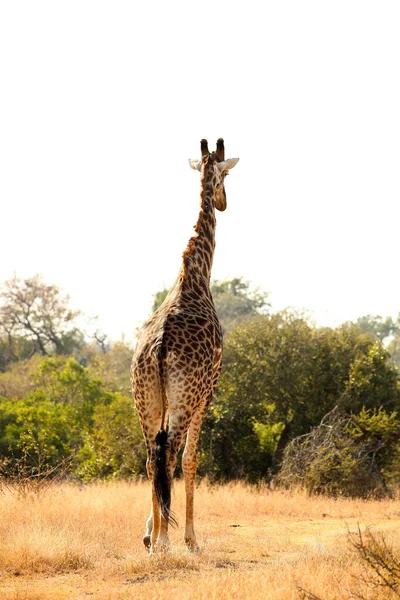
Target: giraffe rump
(162, 481)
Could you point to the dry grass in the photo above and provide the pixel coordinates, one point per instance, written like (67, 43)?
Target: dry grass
(77, 542)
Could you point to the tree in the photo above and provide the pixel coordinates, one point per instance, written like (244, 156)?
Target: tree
(36, 318)
(113, 367)
(394, 349)
(35, 428)
(158, 299)
(386, 330)
(114, 446)
(235, 301)
(265, 379)
(380, 327)
(55, 417)
(280, 377)
(18, 380)
(372, 380)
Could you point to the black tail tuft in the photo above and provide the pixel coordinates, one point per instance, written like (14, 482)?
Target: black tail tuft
(161, 440)
(162, 482)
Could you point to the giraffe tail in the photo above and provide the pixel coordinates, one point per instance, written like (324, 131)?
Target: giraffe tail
(162, 481)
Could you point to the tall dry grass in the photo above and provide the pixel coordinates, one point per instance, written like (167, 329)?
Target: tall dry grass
(74, 541)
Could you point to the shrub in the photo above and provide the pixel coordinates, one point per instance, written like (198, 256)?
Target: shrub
(343, 456)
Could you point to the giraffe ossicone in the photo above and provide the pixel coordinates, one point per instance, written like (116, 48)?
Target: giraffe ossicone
(177, 360)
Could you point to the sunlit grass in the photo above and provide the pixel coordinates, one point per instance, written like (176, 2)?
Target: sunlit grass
(78, 540)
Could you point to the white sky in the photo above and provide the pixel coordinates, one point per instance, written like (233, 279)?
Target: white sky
(102, 103)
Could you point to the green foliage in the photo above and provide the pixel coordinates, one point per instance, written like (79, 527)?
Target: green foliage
(372, 380)
(381, 428)
(37, 426)
(52, 421)
(264, 381)
(386, 330)
(268, 435)
(114, 447)
(282, 375)
(113, 368)
(64, 381)
(17, 381)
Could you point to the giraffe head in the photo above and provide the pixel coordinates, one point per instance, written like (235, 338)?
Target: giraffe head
(214, 168)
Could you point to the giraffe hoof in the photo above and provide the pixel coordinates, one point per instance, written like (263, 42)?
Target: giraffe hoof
(192, 546)
(147, 542)
(160, 547)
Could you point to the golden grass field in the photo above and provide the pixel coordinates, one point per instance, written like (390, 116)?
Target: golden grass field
(81, 542)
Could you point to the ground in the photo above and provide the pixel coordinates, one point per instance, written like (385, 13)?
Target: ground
(79, 542)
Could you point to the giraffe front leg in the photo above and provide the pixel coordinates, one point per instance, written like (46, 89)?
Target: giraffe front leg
(190, 536)
(189, 466)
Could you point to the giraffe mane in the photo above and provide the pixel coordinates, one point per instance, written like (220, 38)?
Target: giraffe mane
(192, 242)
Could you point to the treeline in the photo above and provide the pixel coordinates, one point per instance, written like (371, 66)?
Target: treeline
(64, 396)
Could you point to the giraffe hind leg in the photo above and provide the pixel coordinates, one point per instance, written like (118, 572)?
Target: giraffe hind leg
(162, 487)
(156, 535)
(153, 522)
(149, 522)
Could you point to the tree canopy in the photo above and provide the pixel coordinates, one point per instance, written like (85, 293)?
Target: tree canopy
(35, 318)
(280, 377)
(63, 398)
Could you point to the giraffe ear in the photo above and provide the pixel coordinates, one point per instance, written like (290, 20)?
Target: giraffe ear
(227, 164)
(195, 164)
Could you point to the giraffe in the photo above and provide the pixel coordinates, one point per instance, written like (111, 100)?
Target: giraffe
(177, 360)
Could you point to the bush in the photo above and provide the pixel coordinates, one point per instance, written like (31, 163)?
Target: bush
(381, 563)
(344, 456)
(66, 411)
(114, 447)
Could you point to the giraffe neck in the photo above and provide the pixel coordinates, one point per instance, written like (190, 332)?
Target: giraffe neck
(199, 253)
